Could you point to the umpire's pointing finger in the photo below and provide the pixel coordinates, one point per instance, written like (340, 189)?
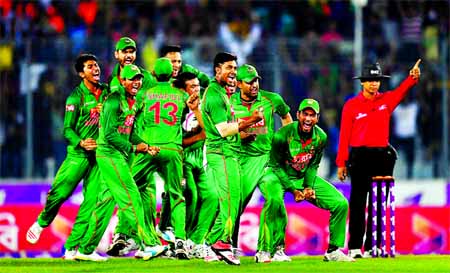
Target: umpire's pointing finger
(417, 63)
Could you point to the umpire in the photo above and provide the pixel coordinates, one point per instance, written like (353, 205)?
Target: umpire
(364, 150)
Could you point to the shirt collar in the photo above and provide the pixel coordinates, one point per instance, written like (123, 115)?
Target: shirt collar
(237, 96)
(364, 99)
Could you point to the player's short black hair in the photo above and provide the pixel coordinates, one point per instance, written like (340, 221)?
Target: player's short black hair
(163, 77)
(181, 80)
(81, 59)
(169, 48)
(223, 57)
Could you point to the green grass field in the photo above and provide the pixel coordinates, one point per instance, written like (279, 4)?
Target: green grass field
(300, 264)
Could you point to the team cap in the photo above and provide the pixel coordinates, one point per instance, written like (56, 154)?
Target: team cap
(124, 43)
(309, 103)
(247, 73)
(130, 71)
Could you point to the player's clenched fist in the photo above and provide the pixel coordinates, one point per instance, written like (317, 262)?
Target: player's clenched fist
(193, 101)
(415, 71)
(88, 144)
(153, 150)
(256, 116)
(298, 195)
(142, 147)
(309, 194)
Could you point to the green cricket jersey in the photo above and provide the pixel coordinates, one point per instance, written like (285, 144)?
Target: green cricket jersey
(116, 126)
(202, 77)
(159, 118)
(294, 159)
(81, 120)
(216, 108)
(269, 103)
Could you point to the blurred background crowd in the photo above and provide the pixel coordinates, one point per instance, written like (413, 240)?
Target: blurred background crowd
(301, 49)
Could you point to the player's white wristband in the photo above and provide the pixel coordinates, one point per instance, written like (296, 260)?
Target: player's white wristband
(227, 129)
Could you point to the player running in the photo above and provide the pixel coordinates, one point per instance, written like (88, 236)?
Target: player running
(83, 107)
(117, 140)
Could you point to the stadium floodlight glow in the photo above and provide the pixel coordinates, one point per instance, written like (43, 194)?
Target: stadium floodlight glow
(359, 3)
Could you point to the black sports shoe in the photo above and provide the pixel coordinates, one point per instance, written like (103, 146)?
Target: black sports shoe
(119, 243)
(180, 250)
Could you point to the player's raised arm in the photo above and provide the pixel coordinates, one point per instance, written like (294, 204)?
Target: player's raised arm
(415, 71)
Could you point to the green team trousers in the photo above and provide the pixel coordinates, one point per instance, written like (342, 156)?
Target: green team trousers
(148, 198)
(201, 197)
(224, 170)
(273, 222)
(169, 164)
(252, 169)
(72, 171)
(117, 187)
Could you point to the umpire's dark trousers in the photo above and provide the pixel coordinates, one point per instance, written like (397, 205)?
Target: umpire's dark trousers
(363, 164)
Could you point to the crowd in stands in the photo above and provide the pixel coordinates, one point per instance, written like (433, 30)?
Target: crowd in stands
(302, 48)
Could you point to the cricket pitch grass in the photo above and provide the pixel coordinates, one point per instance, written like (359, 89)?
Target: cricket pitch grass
(299, 264)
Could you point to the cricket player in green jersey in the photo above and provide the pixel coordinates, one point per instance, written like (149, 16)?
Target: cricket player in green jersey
(256, 140)
(116, 141)
(199, 193)
(160, 124)
(125, 54)
(297, 150)
(83, 107)
(222, 154)
(173, 52)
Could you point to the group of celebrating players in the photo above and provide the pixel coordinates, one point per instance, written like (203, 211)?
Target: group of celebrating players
(212, 141)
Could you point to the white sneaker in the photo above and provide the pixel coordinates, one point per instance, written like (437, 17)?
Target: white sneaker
(34, 233)
(237, 252)
(355, 253)
(139, 254)
(94, 257)
(69, 255)
(280, 256)
(167, 235)
(224, 251)
(209, 255)
(198, 251)
(262, 257)
(337, 256)
(153, 251)
(131, 246)
(189, 245)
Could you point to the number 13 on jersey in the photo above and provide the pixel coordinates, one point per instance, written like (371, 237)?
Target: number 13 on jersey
(167, 112)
